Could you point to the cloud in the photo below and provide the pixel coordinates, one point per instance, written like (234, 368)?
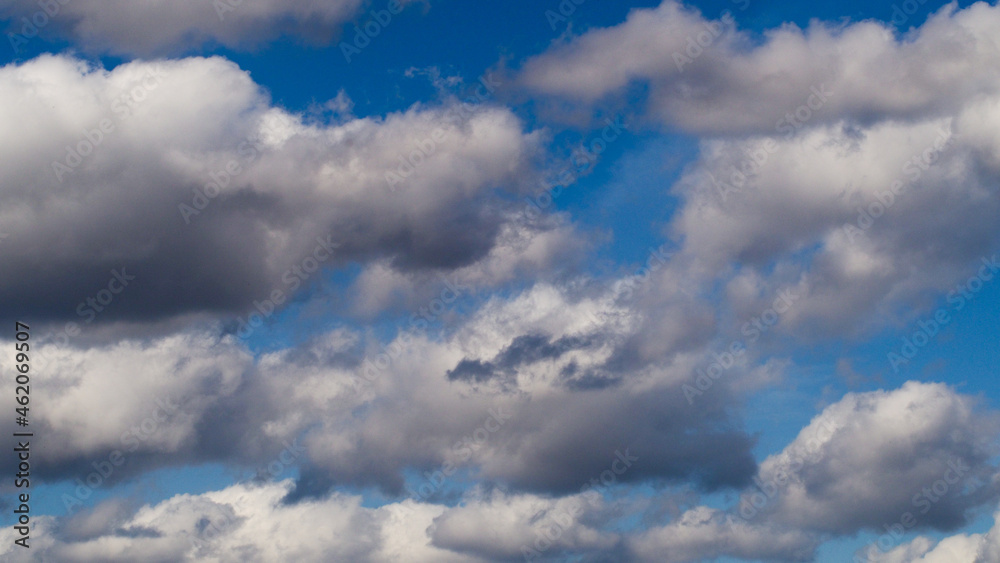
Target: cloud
(161, 27)
(917, 456)
(252, 523)
(855, 221)
(211, 197)
(525, 248)
(241, 523)
(704, 533)
(705, 77)
(845, 174)
(819, 172)
(962, 548)
(832, 480)
(120, 409)
(555, 436)
(513, 527)
(365, 412)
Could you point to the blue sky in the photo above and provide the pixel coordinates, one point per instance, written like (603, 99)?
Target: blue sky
(703, 311)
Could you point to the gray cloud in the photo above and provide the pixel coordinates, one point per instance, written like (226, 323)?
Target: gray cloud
(871, 459)
(160, 27)
(735, 83)
(297, 195)
(552, 437)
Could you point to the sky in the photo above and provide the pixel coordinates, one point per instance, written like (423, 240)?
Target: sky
(471, 282)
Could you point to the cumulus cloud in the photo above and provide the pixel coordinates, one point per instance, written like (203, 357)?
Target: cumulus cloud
(159, 27)
(858, 199)
(561, 415)
(918, 457)
(830, 479)
(250, 522)
(544, 426)
(241, 523)
(844, 172)
(211, 197)
(132, 406)
(538, 248)
(890, 214)
(962, 548)
(704, 533)
(730, 82)
(510, 527)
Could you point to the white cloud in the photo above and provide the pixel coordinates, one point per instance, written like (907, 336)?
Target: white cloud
(704, 533)
(962, 548)
(244, 523)
(138, 199)
(777, 201)
(917, 457)
(738, 84)
(547, 408)
(507, 527)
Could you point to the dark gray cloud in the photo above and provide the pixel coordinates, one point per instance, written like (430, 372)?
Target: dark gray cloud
(523, 351)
